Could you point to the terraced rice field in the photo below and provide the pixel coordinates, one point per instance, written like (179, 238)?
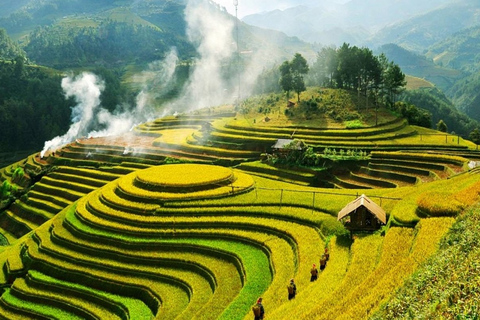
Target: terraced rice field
(186, 261)
(107, 233)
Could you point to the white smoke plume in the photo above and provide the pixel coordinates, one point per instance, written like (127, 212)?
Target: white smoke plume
(157, 80)
(210, 30)
(86, 89)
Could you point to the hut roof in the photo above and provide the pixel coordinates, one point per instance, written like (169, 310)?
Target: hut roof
(364, 201)
(293, 144)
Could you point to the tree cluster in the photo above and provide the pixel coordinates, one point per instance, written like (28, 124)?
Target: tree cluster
(415, 116)
(350, 67)
(8, 48)
(33, 108)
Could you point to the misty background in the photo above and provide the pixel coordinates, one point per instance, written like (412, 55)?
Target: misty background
(148, 59)
(211, 31)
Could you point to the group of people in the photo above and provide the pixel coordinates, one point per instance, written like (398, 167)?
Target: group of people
(323, 265)
(259, 311)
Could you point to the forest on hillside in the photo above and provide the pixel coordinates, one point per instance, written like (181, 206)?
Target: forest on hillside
(33, 107)
(110, 44)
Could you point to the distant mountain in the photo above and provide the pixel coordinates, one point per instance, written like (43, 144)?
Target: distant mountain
(422, 31)
(459, 51)
(465, 94)
(7, 7)
(419, 66)
(441, 108)
(331, 23)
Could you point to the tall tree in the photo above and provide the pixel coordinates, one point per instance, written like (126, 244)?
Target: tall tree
(394, 82)
(286, 78)
(299, 68)
(475, 136)
(324, 68)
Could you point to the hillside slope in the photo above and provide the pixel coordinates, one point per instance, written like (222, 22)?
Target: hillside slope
(447, 284)
(66, 34)
(420, 66)
(422, 31)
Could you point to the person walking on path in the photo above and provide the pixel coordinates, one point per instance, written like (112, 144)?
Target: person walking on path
(323, 262)
(258, 310)
(292, 290)
(314, 273)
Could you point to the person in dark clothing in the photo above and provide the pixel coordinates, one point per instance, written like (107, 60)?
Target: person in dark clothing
(258, 310)
(292, 290)
(327, 254)
(323, 262)
(314, 273)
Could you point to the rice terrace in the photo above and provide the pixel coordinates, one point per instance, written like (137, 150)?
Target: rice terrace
(194, 222)
(201, 165)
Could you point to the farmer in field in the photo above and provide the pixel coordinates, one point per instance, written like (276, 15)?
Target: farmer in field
(323, 262)
(327, 254)
(314, 273)
(258, 310)
(292, 290)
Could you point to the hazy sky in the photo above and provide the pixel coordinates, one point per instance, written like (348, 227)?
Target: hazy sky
(246, 7)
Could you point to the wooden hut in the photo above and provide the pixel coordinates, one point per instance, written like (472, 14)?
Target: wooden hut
(362, 214)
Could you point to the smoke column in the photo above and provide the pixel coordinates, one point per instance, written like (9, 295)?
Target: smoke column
(210, 30)
(86, 89)
(157, 80)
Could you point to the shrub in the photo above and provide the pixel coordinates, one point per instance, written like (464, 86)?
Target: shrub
(354, 124)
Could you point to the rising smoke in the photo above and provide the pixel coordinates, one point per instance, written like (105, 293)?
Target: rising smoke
(86, 89)
(211, 30)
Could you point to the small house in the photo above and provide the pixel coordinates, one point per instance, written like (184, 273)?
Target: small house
(362, 214)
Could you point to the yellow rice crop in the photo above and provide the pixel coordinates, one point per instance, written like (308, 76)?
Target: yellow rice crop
(328, 281)
(365, 253)
(242, 182)
(450, 202)
(425, 156)
(396, 247)
(426, 243)
(184, 175)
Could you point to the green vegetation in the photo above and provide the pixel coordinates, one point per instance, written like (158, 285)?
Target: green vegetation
(26, 93)
(292, 74)
(415, 116)
(195, 216)
(360, 70)
(88, 46)
(447, 284)
(435, 102)
(8, 49)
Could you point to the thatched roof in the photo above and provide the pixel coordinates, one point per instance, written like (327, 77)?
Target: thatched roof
(293, 144)
(364, 201)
